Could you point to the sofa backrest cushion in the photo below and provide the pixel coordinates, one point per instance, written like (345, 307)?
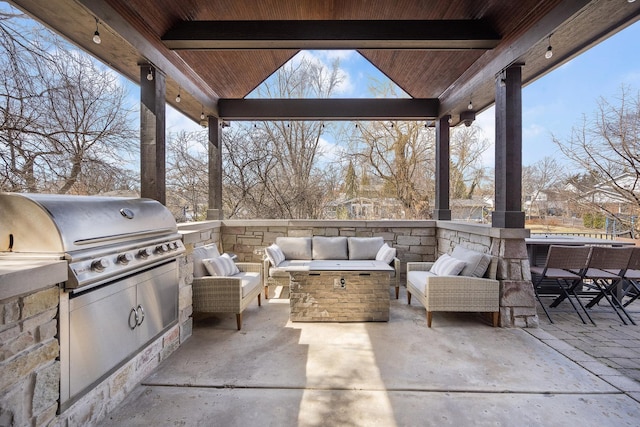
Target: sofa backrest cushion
(386, 254)
(476, 262)
(295, 247)
(200, 253)
(275, 254)
(329, 247)
(364, 247)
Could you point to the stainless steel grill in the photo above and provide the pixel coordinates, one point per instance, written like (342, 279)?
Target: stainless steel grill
(122, 290)
(102, 238)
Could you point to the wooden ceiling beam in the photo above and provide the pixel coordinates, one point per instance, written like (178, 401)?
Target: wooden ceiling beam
(346, 34)
(328, 109)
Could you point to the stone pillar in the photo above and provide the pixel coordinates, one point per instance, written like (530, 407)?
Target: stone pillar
(442, 210)
(215, 169)
(508, 163)
(152, 134)
(517, 298)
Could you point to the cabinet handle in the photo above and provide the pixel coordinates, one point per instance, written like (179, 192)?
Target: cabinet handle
(135, 318)
(141, 318)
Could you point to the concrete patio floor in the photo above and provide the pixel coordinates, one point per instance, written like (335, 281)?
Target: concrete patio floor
(460, 372)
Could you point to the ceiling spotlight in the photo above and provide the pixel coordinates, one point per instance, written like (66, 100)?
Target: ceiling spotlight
(178, 97)
(470, 106)
(150, 74)
(549, 53)
(96, 35)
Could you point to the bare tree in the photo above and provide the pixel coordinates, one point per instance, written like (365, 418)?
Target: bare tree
(466, 150)
(541, 181)
(273, 169)
(187, 176)
(400, 154)
(607, 146)
(64, 120)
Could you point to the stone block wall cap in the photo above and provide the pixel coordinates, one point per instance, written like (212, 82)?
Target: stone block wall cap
(199, 225)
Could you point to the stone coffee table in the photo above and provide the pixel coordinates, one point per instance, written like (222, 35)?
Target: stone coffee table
(339, 291)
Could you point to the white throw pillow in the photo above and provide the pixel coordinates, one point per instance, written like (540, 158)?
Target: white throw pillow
(275, 254)
(221, 266)
(386, 254)
(447, 265)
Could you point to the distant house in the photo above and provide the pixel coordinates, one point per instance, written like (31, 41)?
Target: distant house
(476, 209)
(364, 208)
(615, 195)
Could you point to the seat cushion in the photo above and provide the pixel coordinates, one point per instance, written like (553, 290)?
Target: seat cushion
(476, 262)
(446, 265)
(248, 281)
(419, 279)
(295, 247)
(329, 247)
(364, 247)
(200, 253)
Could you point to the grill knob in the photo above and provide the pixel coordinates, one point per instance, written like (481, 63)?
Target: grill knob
(125, 258)
(100, 264)
(144, 253)
(162, 249)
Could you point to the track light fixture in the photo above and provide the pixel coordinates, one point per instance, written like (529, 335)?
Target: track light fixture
(96, 35)
(178, 97)
(549, 53)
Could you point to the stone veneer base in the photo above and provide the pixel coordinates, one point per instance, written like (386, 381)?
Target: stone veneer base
(339, 296)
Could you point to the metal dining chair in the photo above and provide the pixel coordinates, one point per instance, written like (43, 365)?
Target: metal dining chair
(606, 269)
(631, 278)
(564, 266)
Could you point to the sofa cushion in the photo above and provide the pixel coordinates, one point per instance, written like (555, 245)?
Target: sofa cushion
(364, 247)
(222, 265)
(329, 247)
(295, 247)
(275, 254)
(446, 265)
(200, 253)
(386, 254)
(476, 262)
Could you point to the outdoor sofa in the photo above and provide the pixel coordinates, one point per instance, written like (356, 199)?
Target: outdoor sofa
(463, 281)
(287, 251)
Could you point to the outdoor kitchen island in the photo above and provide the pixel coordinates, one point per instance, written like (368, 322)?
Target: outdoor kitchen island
(339, 291)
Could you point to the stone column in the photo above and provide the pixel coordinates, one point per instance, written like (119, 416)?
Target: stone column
(442, 210)
(152, 134)
(215, 169)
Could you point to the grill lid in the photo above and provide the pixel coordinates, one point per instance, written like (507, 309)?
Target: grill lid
(56, 224)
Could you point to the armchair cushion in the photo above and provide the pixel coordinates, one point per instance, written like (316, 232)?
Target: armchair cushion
(364, 247)
(386, 254)
(222, 265)
(200, 253)
(275, 254)
(447, 265)
(476, 262)
(329, 247)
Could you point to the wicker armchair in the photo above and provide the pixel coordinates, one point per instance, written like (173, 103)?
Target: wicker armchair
(454, 293)
(230, 294)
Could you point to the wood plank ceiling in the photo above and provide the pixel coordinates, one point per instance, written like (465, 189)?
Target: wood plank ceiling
(134, 30)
